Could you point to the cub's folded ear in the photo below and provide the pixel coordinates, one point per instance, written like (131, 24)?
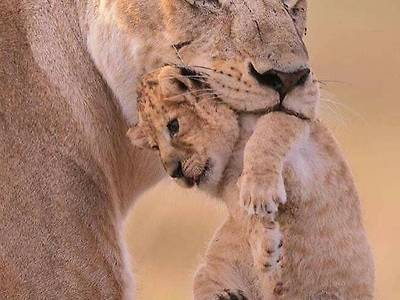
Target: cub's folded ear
(173, 84)
(138, 138)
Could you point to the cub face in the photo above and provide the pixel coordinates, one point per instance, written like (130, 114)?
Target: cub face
(193, 133)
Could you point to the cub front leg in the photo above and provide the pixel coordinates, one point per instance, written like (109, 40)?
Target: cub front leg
(261, 184)
(261, 194)
(227, 273)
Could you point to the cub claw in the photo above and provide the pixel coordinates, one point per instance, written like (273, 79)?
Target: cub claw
(261, 195)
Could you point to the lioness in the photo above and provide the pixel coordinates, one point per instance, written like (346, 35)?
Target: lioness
(202, 141)
(68, 72)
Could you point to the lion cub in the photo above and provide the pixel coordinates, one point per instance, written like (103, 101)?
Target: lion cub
(208, 141)
(196, 136)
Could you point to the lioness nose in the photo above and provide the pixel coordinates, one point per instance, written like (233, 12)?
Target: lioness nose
(177, 172)
(281, 82)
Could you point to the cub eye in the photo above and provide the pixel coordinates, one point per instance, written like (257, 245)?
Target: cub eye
(155, 147)
(173, 127)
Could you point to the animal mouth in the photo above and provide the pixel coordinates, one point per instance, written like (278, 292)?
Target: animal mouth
(197, 180)
(281, 82)
(281, 108)
(204, 174)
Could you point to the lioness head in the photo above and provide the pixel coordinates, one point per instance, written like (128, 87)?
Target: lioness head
(255, 46)
(194, 133)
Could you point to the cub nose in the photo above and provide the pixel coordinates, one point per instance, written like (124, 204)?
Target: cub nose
(281, 82)
(178, 171)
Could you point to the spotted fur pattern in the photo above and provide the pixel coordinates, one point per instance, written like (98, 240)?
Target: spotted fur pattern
(326, 253)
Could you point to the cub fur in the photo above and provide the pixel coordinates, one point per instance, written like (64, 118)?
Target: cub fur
(193, 158)
(207, 140)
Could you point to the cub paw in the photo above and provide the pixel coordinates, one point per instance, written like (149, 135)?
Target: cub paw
(280, 289)
(267, 247)
(261, 195)
(231, 295)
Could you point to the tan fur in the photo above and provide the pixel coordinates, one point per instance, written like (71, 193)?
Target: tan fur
(326, 252)
(224, 39)
(160, 102)
(68, 73)
(68, 174)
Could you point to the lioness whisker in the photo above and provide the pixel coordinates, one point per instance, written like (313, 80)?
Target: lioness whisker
(194, 93)
(337, 116)
(205, 68)
(343, 106)
(198, 79)
(213, 98)
(178, 95)
(178, 55)
(205, 90)
(326, 82)
(209, 94)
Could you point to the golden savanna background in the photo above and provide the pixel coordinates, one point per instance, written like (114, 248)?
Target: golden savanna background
(355, 50)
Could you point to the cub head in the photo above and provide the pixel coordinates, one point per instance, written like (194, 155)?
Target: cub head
(194, 134)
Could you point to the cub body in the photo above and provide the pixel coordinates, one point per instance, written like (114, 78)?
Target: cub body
(326, 253)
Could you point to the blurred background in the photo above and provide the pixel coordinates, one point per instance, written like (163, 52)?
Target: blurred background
(355, 50)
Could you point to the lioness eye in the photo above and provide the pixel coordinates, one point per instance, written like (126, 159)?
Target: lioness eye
(290, 3)
(173, 127)
(210, 4)
(155, 147)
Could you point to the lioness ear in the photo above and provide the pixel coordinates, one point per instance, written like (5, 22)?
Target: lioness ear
(138, 137)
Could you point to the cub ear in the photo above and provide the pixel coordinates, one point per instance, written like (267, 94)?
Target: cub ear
(138, 137)
(173, 84)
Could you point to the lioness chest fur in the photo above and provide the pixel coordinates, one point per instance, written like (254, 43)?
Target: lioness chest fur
(68, 175)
